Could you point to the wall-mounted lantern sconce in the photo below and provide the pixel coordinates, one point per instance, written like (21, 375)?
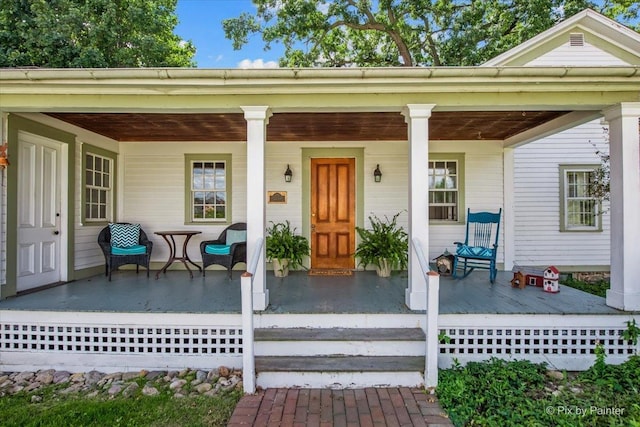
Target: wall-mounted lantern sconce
(288, 174)
(377, 175)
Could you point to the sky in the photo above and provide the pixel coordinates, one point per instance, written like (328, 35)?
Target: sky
(201, 22)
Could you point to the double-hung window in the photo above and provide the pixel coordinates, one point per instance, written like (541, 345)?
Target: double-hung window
(446, 178)
(98, 184)
(579, 210)
(208, 194)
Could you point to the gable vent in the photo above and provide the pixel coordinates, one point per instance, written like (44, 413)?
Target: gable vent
(576, 39)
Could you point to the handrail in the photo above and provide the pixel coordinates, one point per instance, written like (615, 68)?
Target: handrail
(255, 257)
(424, 265)
(246, 290)
(432, 280)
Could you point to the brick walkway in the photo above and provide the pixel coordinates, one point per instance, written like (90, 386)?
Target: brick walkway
(324, 407)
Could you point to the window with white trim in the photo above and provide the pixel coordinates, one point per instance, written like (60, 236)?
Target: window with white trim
(99, 168)
(580, 211)
(445, 187)
(208, 198)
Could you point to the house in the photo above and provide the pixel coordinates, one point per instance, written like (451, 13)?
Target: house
(545, 169)
(89, 146)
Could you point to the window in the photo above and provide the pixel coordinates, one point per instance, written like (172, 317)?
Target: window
(98, 183)
(208, 195)
(579, 210)
(445, 187)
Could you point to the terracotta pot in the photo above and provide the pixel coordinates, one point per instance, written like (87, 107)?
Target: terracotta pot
(280, 267)
(384, 270)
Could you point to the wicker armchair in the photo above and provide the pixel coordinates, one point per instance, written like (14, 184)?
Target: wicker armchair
(113, 261)
(237, 251)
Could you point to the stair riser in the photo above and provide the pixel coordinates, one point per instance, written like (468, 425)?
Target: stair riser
(350, 348)
(339, 380)
(340, 321)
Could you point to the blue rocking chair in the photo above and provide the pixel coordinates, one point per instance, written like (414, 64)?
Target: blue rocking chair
(480, 245)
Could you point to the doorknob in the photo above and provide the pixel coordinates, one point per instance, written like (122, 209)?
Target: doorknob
(56, 232)
(313, 228)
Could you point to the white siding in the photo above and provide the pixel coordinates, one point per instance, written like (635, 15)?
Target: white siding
(586, 55)
(483, 189)
(152, 189)
(538, 240)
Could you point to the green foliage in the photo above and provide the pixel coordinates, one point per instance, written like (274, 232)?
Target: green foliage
(518, 393)
(341, 33)
(75, 410)
(283, 243)
(632, 333)
(598, 288)
(91, 33)
(385, 240)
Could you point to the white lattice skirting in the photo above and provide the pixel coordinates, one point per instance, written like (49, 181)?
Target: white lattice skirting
(562, 341)
(109, 342)
(118, 341)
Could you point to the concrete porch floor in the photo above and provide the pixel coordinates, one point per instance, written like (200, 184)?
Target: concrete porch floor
(363, 292)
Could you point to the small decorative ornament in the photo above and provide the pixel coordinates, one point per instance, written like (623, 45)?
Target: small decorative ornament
(551, 280)
(3, 156)
(518, 280)
(444, 263)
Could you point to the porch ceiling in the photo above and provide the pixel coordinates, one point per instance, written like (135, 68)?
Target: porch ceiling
(357, 126)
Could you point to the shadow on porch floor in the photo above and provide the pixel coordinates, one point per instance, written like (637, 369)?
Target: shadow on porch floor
(363, 292)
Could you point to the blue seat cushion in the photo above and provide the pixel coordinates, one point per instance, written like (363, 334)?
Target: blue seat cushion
(124, 235)
(236, 236)
(132, 250)
(217, 249)
(474, 251)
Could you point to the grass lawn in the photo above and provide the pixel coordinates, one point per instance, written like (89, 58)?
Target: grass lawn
(77, 410)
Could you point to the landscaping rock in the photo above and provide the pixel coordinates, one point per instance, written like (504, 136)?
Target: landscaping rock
(186, 382)
(556, 375)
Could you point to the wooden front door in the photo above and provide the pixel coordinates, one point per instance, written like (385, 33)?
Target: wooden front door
(333, 202)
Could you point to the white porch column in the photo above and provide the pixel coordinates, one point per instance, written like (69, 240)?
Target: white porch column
(417, 117)
(509, 215)
(257, 119)
(624, 149)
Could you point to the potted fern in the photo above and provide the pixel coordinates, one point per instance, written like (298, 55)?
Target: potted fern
(385, 245)
(285, 249)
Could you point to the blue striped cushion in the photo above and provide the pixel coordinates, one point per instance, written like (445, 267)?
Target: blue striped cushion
(474, 251)
(217, 249)
(133, 250)
(124, 235)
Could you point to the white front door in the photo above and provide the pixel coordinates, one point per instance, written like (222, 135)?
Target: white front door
(39, 215)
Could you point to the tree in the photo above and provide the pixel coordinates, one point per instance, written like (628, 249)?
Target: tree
(91, 33)
(340, 33)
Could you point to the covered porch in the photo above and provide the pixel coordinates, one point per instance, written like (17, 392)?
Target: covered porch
(137, 323)
(398, 119)
(300, 293)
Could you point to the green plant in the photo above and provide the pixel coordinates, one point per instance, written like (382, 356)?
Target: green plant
(443, 338)
(520, 393)
(384, 241)
(600, 364)
(598, 288)
(632, 333)
(283, 243)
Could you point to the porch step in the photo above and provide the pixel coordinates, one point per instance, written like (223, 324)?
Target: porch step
(343, 341)
(339, 363)
(339, 357)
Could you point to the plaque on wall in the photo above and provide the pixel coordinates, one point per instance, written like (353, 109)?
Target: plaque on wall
(277, 197)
